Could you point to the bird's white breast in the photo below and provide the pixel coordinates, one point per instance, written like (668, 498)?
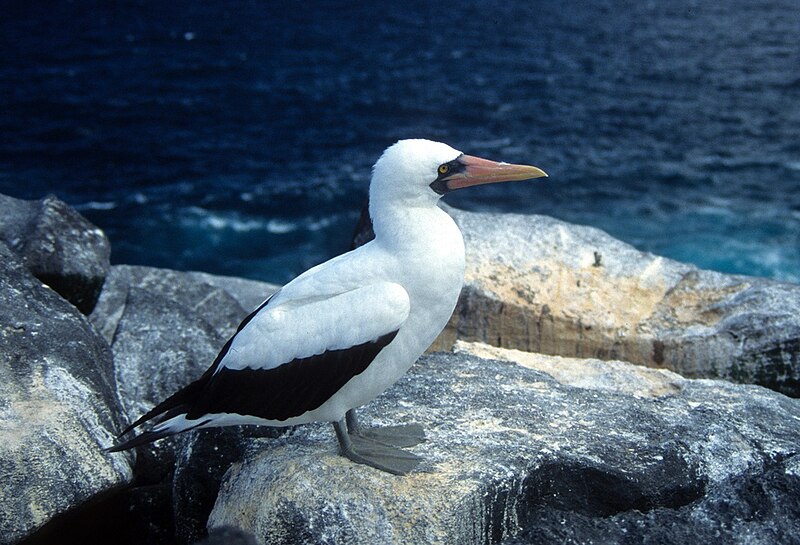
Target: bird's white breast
(428, 261)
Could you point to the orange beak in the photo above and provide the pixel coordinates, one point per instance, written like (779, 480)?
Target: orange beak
(478, 171)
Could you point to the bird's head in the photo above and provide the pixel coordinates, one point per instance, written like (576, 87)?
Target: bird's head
(421, 171)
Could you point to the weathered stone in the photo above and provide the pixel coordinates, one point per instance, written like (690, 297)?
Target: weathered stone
(541, 285)
(248, 293)
(509, 448)
(609, 375)
(58, 246)
(165, 328)
(757, 508)
(201, 461)
(58, 407)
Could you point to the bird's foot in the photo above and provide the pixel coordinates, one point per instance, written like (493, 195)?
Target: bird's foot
(364, 450)
(402, 435)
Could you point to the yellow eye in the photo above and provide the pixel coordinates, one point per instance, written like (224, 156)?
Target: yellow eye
(443, 169)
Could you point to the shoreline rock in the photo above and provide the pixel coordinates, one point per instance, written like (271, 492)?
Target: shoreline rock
(58, 246)
(523, 447)
(58, 406)
(541, 285)
(510, 448)
(538, 284)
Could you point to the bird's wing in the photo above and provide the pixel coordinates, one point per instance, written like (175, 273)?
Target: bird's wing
(291, 357)
(291, 329)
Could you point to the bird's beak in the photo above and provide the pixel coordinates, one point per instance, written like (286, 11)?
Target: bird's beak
(478, 171)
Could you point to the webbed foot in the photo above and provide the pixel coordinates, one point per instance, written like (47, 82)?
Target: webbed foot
(368, 451)
(401, 435)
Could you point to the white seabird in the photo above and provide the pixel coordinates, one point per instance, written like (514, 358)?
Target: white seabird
(341, 333)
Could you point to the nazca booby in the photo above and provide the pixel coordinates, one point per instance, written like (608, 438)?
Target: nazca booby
(342, 332)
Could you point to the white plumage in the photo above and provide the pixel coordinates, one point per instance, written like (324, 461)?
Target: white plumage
(344, 331)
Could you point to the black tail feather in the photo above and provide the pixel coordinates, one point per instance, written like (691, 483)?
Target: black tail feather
(143, 439)
(150, 436)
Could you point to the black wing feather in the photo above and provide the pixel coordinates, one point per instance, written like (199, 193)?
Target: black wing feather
(288, 390)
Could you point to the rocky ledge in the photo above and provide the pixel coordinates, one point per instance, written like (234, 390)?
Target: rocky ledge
(522, 447)
(521, 452)
(538, 284)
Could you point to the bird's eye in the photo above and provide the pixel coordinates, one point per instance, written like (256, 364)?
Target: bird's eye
(443, 169)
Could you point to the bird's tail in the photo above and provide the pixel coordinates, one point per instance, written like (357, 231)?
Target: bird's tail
(141, 439)
(169, 415)
(171, 422)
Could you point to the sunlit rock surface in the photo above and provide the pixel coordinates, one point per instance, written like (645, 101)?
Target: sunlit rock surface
(509, 447)
(542, 285)
(58, 406)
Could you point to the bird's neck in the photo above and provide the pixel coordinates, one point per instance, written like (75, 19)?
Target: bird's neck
(409, 225)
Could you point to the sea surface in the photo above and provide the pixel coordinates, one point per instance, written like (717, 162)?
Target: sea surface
(237, 137)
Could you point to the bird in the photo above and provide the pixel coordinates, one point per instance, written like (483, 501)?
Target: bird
(341, 333)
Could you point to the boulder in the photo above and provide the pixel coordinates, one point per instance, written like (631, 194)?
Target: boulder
(516, 451)
(202, 459)
(538, 284)
(228, 536)
(58, 406)
(542, 285)
(58, 246)
(165, 328)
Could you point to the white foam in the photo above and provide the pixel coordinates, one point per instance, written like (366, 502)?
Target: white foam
(97, 205)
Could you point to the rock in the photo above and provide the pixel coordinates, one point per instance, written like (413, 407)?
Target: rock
(58, 246)
(58, 407)
(538, 284)
(514, 452)
(612, 376)
(541, 285)
(248, 293)
(758, 509)
(201, 461)
(165, 328)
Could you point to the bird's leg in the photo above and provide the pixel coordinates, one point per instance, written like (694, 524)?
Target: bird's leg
(353, 426)
(402, 435)
(374, 454)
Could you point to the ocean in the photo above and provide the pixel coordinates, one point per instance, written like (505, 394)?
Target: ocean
(237, 137)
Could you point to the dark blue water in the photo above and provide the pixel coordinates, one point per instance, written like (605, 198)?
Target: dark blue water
(237, 137)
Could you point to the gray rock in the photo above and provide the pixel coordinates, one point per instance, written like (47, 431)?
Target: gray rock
(248, 293)
(228, 536)
(758, 508)
(165, 328)
(201, 462)
(58, 407)
(514, 452)
(541, 285)
(58, 246)
(538, 284)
